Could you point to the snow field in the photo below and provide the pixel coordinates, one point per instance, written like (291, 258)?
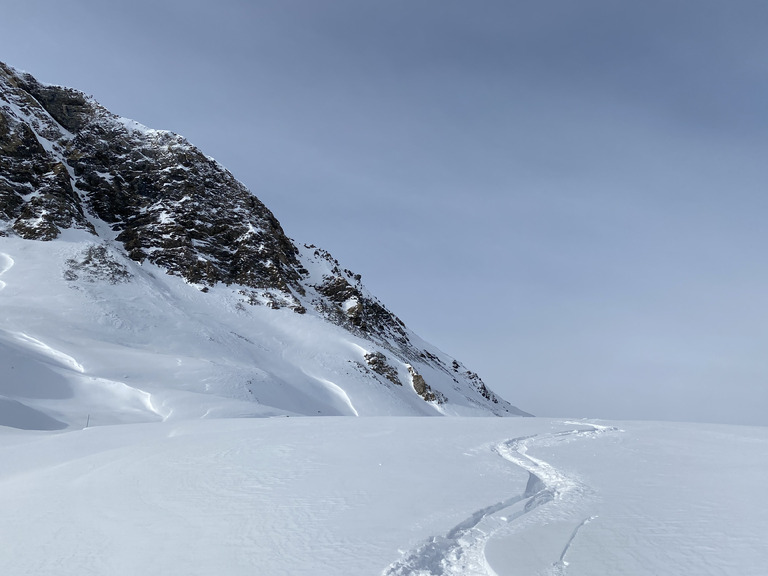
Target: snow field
(385, 496)
(266, 496)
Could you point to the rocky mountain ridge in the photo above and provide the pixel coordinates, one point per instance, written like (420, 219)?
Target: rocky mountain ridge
(68, 163)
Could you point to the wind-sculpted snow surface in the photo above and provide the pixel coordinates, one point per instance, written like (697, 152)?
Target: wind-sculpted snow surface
(461, 550)
(341, 496)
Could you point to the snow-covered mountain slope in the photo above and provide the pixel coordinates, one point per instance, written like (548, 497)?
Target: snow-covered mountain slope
(386, 496)
(140, 281)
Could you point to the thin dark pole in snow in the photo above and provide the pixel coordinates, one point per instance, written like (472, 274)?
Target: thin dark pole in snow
(88, 421)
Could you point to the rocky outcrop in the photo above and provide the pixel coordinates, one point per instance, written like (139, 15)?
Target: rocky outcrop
(477, 383)
(423, 389)
(379, 364)
(36, 195)
(340, 295)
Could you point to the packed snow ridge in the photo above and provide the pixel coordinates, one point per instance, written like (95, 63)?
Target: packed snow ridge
(141, 281)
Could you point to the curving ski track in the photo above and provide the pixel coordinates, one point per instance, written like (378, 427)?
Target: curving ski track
(561, 564)
(461, 550)
(6, 263)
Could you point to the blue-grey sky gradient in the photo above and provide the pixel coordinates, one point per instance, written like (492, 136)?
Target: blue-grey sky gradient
(568, 196)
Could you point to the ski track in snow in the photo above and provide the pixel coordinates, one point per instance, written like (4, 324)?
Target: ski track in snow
(6, 263)
(461, 550)
(561, 565)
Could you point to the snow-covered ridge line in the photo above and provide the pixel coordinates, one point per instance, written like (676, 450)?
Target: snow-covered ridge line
(54, 354)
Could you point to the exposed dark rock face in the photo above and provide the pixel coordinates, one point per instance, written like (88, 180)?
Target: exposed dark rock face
(423, 389)
(66, 162)
(477, 383)
(165, 200)
(378, 363)
(343, 299)
(36, 195)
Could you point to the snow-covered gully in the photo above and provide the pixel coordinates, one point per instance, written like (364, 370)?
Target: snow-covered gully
(461, 550)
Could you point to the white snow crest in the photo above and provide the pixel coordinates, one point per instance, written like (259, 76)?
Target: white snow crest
(6, 263)
(57, 355)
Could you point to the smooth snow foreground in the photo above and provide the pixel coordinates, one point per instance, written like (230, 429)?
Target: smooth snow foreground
(354, 496)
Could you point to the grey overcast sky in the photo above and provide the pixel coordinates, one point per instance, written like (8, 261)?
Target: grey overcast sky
(570, 197)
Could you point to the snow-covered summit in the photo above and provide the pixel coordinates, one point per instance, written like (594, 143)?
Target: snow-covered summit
(140, 280)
